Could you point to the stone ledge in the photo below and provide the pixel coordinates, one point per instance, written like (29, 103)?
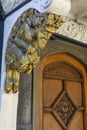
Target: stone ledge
(73, 30)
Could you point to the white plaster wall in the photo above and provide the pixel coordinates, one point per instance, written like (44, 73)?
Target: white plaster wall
(8, 112)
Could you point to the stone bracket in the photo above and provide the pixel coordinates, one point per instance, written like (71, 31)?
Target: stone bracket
(29, 36)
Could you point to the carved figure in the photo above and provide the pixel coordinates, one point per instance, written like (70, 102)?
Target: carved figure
(29, 36)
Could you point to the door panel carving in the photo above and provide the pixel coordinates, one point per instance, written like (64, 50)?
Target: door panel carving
(62, 106)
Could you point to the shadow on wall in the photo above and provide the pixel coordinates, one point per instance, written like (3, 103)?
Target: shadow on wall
(78, 11)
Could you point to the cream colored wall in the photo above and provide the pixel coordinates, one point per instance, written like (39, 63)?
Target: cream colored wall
(8, 112)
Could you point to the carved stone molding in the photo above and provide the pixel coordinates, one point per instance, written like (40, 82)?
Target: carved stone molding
(73, 30)
(28, 37)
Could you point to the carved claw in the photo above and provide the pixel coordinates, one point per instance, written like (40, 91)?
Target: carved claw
(12, 81)
(15, 87)
(8, 87)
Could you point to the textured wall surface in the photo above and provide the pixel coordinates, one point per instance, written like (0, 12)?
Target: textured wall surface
(8, 5)
(8, 111)
(73, 30)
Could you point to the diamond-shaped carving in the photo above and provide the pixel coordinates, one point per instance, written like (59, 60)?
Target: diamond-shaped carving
(64, 108)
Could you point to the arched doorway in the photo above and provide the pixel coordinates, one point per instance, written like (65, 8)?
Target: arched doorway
(63, 100)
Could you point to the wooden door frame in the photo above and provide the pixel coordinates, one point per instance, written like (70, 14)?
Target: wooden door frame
(74, 62)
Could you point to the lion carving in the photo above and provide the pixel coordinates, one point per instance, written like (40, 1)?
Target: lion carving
(28, 37)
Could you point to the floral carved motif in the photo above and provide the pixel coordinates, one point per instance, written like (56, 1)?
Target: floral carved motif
(64, 108)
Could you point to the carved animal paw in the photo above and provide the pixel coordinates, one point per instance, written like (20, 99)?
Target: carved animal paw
(15, 87)
(12, 81)
(8, 87)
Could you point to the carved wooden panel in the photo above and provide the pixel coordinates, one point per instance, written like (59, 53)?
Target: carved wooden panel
(62, 69)
(63, 107)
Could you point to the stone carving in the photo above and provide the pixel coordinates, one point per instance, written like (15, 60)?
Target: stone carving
(9, 5)
(73, 30)
(29, 36)
(70, 28)
(56, 6)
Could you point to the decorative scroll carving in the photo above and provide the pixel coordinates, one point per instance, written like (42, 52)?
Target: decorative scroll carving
(29, 36)
(61, 69)
(9, 5)
(64, 108)
(53, 6)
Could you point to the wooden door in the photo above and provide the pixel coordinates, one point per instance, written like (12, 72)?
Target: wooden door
(62, 93)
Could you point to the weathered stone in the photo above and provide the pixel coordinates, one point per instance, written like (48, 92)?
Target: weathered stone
(24, 113)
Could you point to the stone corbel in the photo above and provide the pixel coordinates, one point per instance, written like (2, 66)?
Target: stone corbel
(24, 47)
(28, 37)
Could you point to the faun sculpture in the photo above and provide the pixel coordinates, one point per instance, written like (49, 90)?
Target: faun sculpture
(29, 36)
